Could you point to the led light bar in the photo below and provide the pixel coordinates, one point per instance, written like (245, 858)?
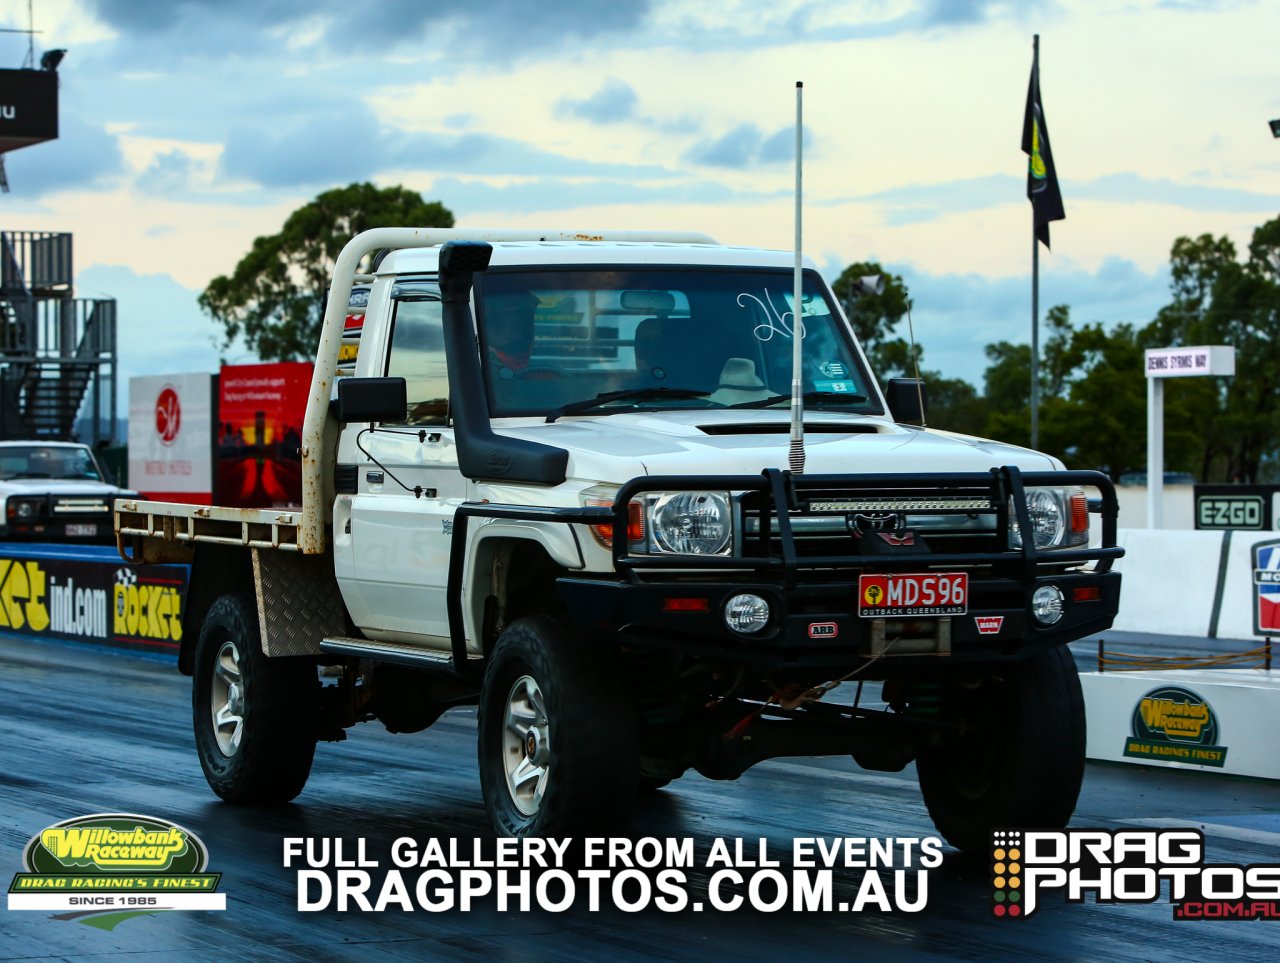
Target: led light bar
(890, 503)
(80, 505)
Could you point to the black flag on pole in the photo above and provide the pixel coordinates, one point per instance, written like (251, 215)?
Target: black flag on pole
(1042, 176)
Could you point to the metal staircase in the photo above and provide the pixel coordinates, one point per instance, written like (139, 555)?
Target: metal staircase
(57, 351)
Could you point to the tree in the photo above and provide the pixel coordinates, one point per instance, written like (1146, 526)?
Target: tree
(1058, 357)
(1008, 392)
(954, 404)
(274, 298)
(1092, 395)
(1098, 423)
(1219, 300)
(874, 317)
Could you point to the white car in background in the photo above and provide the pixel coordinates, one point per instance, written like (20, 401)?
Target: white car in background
(55, 491)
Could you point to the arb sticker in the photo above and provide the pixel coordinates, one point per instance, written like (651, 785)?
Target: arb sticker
(823, 630)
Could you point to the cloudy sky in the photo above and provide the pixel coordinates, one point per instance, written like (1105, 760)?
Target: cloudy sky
(191, 126)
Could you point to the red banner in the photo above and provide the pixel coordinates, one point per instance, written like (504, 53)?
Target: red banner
(260, 413)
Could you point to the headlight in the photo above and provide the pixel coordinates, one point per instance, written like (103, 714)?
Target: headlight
(670, 523)
(21, 509)
(690, 523)
(1059, 518)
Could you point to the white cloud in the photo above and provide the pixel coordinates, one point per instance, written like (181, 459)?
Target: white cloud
(191, 127)
(159, 326)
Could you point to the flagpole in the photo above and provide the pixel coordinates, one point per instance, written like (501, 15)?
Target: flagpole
(1035, 287)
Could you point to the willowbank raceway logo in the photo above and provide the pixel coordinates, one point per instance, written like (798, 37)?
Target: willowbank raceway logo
(106, 868)
(1127, 866)
(1174, 724)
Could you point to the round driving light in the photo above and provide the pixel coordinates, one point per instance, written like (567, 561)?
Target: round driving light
(747, 614)
(1046, 604)
(692, 523)
(26, 510)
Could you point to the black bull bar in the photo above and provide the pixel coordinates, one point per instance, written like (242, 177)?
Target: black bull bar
(785, 494)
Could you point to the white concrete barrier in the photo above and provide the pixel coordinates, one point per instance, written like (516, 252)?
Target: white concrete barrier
(1178, 582)
(1169, 580)
(1239, 599)
(1214, 720)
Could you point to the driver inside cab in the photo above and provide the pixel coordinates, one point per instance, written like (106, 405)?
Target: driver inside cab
(508, 328)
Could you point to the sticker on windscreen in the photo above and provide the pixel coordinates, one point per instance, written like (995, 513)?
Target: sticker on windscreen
(836, 387)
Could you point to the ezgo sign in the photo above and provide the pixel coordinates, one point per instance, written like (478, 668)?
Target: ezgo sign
(1236, 507)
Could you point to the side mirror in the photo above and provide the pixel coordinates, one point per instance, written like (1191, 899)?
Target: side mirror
(908, 400)
(371, 399)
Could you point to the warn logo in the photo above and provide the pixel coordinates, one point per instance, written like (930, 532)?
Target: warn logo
(988, 624)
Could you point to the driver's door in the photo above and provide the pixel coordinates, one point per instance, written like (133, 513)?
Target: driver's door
(408, 484)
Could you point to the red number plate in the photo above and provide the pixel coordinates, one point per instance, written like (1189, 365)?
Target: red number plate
(913, 595)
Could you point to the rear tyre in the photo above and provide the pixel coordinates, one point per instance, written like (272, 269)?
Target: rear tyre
(557, 743)
(1018, 760)
(254, 717)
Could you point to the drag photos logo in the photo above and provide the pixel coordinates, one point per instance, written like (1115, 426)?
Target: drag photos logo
(109, 867)
(1127, 866)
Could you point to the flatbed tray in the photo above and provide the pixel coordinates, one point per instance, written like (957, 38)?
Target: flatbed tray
(175, 522)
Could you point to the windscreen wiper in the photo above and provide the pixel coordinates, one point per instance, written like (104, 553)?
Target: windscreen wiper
(626, 394)
(809, 396)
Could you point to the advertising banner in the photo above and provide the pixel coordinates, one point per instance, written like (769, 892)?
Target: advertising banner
(90, 595)
(171, 437)
(260, 413)
(1266, 581)
(28, 107)
(1237, 507)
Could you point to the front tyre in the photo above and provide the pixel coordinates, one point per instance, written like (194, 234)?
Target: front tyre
(1018, 760)
(254, 717)
(557, 742)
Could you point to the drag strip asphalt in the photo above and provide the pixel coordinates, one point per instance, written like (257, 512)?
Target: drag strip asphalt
(87, 731)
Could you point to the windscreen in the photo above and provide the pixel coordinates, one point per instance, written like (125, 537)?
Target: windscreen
(655, 338)
(40, 461)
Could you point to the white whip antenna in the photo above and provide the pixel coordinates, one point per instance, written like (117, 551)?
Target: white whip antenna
(796, 458)
(915, 362)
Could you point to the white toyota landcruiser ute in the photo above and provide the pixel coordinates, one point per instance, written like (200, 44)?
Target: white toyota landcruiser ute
(556, 487)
